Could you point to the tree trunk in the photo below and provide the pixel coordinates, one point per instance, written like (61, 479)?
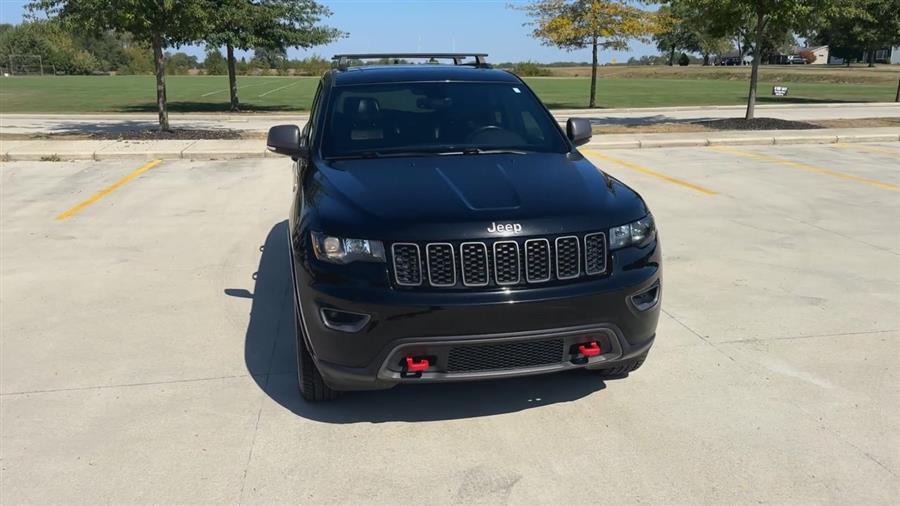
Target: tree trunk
(160, 65)
(232, 79)
(706, 59)
(593, 101)
(871, 57)
(672, 56)
(754, 72)
(897, 96)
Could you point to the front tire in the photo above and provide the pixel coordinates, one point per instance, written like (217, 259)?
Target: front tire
(623, 369)
(312, 385)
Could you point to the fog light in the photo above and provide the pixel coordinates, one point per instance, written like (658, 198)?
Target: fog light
(343, 321)
(646, 299)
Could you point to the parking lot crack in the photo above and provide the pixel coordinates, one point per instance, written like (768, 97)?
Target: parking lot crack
(813, 336)
(249, 455)
(700, 336)
(121, 385)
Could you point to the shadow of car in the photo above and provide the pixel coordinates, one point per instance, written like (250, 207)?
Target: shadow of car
(270, 357)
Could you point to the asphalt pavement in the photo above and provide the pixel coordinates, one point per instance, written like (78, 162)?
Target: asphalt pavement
(147, 356)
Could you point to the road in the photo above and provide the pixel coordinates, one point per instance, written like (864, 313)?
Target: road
(88, 123)
(147, 354)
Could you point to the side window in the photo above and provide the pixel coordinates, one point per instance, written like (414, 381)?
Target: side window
(310, 129)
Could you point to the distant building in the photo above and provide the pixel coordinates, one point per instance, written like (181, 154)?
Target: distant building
(888, 55)
(820, 55)
(820, 52)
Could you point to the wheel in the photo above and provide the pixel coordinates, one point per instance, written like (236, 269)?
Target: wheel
(624, 368)
(312, 386)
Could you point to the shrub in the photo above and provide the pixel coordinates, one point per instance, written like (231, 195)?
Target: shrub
(529, 69)
(684, 60)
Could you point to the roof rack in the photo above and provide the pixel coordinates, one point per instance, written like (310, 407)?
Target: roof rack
(343, 60)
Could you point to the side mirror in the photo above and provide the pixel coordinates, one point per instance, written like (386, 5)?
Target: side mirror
(578, 130)
(285, 140)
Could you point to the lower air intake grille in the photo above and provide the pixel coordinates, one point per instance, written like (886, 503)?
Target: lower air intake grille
(486, 357)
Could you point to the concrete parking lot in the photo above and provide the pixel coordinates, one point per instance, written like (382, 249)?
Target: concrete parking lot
(146, 348)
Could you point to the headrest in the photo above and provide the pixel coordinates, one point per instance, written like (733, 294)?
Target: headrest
(362, 106)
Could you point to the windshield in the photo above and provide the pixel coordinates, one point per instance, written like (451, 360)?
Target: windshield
(439, 117)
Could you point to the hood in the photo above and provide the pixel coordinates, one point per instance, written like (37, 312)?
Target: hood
(485, 188)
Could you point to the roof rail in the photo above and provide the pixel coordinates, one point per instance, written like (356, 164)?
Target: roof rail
(343, 60)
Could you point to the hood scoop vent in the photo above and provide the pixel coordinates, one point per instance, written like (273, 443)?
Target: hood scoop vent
(482, 188)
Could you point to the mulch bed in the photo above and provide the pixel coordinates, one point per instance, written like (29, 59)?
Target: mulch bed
(756, 124)
(174, 134)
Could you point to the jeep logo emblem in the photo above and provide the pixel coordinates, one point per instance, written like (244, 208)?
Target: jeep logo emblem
(504, 228)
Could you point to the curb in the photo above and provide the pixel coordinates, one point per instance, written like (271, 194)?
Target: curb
(744, 141)
(211, 153)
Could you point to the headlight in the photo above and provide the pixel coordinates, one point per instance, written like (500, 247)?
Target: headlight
(632, 234)
(342, 251)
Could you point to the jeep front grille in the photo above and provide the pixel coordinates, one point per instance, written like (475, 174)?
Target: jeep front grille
(501, 263)
(407, 264)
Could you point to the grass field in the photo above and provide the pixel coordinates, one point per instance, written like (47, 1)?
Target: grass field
(835, 74)
(84, 94)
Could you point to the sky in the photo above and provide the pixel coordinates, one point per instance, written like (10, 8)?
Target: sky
(376, 26)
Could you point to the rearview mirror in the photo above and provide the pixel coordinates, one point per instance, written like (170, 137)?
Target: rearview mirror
(285, 140)
(578, 130)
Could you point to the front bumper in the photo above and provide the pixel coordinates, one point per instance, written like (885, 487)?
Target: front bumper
(431, 324)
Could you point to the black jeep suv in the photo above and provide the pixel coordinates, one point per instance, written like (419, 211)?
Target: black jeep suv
(445, 228)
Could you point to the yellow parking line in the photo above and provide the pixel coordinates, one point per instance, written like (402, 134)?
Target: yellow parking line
(644, 170)
(106, 191)
(873, 149)
(807, 167)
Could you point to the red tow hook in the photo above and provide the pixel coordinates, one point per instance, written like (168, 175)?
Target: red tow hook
(591, 349)
(413, 365)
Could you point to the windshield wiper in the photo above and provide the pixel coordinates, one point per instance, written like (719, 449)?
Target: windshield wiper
(481, 151)
(379, 154)
(449, 152)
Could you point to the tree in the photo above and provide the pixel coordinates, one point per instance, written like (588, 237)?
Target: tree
(675, 33)
(214, 63)
(159, 23)
(862, 24)
(108, 48)
(59, 49)
(180, 63)
(268, 57)
(767, 20)
(598, 24)
(268, 24)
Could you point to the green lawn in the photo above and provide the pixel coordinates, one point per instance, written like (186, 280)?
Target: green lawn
(73, 94)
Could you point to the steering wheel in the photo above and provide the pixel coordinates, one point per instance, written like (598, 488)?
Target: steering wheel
(480, 130)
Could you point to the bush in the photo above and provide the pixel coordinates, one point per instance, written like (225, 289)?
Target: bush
(684, 60)
(529, 69)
